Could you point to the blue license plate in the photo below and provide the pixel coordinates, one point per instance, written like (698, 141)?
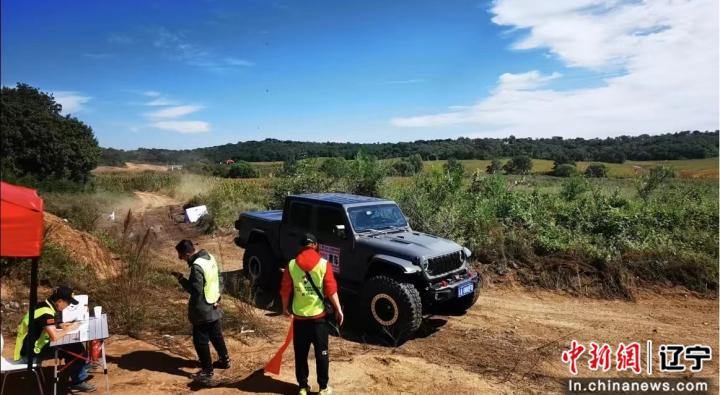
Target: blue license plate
(465, 289)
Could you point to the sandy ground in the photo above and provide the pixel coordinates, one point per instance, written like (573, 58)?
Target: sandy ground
(510, 342)
(130, 167)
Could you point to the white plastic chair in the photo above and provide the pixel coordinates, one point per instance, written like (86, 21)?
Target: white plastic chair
(8, 367)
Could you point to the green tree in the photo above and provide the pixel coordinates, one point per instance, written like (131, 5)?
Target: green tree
(242, 169)
(494, 167)
(565, 170)
(334, 167)
(518, 165)
(596, 170)
(454, 167)
(365, 175)
(40, 143)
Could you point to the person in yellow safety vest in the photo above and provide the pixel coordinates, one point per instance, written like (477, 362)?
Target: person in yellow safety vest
(205, 287)
(45, 331)
(308, 309)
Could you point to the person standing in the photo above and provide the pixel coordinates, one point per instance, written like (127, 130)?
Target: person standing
(45, 331)
(204, 286)
(308, 310)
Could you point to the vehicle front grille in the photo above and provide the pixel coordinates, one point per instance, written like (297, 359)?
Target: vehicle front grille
(444, 263)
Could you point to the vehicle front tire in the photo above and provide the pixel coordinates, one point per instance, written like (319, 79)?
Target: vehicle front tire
(260, 267)
(392, 308)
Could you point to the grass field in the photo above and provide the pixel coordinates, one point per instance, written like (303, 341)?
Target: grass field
(690, 168)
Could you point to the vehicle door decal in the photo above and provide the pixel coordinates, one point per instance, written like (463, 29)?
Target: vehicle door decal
(332, 255)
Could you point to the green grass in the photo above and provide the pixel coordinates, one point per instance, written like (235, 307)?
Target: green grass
(690, 168)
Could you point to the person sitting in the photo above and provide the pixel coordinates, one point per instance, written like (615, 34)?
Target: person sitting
(45, 331)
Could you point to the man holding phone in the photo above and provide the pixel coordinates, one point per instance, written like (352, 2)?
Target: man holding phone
(45, 331)
(204, 286)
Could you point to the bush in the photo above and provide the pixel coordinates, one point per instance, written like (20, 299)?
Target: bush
(596, 170)
(365, 176)
(242, 169)
(518, 165)
(651, 181)
(494, 167)
(334, 167)
(565, 170)
(409, 166)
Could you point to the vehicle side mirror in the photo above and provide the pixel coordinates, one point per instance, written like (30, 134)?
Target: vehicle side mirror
(339, 231)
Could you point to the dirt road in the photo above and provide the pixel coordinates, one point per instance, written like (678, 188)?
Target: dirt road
(510, 342)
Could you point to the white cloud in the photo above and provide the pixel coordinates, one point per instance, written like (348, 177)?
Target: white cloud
(174, 112)
(237, 62)
(185, 127)
(166, 118)
(178, 47)
(662, 57)
(71, 102)
(161, 101)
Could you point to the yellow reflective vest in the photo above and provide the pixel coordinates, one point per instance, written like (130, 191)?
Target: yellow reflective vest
(42, 338)
(211, 273)
(306, 302)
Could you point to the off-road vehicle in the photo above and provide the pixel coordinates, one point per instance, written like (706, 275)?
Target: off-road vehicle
(392, 272)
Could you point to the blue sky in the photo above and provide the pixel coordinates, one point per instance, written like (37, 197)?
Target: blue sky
(185, 74)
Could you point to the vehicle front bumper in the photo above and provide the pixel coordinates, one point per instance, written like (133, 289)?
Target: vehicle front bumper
(447, 288)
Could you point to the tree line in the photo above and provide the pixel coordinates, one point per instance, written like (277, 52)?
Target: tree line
(680, 145)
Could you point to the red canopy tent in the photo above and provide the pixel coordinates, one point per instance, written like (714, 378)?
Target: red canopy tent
(21, 234)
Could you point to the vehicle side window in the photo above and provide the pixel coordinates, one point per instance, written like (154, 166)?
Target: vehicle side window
(300, 215)
(327, 219)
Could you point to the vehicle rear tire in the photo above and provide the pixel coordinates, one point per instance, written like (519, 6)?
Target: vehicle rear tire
(260, 267)
(392, 308)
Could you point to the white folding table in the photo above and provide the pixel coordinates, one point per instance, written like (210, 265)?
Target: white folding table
(95, 328)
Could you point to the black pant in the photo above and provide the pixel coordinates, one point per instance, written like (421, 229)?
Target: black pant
(212, 332)
(315, 332)
(77, 370)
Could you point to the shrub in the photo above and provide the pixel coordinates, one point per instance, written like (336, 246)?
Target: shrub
(334, 167)
(596, 170)
(494, 167)
(565, 170)
(242, 169)
(651, 181)
(518, 165)
(573, 187)
(365, 176)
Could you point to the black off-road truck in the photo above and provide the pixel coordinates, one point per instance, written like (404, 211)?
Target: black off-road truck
(391, 272)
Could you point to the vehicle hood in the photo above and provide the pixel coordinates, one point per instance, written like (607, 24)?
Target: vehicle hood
(409, 245)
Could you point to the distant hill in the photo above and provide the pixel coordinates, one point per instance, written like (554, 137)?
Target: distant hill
(681, 145)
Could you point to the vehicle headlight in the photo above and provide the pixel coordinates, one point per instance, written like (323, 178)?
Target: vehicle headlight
(466, 252)
(422, 261)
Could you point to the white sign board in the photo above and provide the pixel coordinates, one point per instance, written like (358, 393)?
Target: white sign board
(76, 312)
(193, 214)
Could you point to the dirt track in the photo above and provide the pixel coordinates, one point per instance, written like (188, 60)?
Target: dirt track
(509, 342)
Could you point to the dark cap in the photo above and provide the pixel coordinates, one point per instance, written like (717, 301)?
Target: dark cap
(307, 239)
(64, 293)
(185, 247)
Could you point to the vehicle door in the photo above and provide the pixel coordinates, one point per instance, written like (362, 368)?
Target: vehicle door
(297, 222)
(335, 249)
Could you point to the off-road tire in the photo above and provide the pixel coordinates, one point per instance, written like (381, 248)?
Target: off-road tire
(391, 307)
(260, 266)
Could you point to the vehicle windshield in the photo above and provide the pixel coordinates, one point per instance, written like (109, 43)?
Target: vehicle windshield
(378, 217)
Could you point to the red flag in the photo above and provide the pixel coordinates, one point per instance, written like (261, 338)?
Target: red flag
(273, 366)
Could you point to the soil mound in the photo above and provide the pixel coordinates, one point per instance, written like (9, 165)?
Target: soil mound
(82, 246)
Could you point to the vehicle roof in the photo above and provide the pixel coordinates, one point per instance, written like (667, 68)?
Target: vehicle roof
(339, 198)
